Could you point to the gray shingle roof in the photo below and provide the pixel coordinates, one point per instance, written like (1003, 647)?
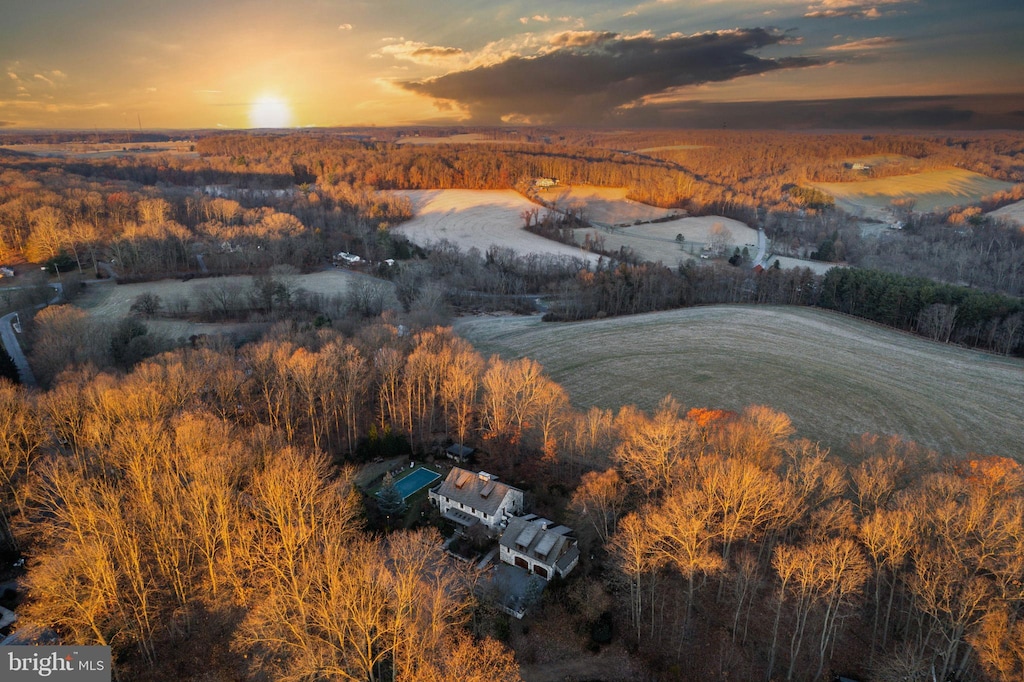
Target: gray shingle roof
(528, 536)
(479, 491)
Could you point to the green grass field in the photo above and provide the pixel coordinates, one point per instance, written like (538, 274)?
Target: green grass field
(836, 377)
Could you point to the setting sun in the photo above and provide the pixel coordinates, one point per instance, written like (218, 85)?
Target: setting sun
(270, 111)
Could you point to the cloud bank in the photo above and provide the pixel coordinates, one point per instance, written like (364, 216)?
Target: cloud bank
(593, 77)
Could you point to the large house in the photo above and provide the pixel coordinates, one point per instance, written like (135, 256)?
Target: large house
(539, 546)
(467, 498)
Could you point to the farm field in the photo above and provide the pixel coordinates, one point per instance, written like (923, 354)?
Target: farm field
(105, 150)
(477, 219)
(461, 138)
(1013, 213)
(604, 205)
(671, 148)
(932, 190)
(111, 302)
(836, 377)
(881, 159)
(657, 241)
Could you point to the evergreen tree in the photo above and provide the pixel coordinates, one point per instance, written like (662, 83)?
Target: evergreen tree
(8, 369)
(389, 499)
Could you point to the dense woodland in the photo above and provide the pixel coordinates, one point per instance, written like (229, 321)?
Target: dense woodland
(201, 513)
(201, 507)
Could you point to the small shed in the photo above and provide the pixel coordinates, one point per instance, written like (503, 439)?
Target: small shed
(460, 453)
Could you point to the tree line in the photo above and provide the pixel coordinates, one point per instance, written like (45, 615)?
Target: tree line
(942, 312)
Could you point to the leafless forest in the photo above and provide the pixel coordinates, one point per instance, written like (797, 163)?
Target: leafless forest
(200, 505)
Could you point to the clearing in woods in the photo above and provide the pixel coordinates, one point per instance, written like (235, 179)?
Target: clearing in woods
(478, 218)
(605, 205)
(671, 148)
(1013, 214)
(460, 138)
(931, 190)
(105, 150)
(836, 377)
(111, 302)
(657, 241)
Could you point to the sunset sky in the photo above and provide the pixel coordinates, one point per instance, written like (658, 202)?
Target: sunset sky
(269, 63)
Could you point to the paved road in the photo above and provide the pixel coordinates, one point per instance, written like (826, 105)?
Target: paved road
(762, 249)
(10, 340)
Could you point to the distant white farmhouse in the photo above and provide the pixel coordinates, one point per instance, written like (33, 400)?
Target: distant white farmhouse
(539, 546)
(466, 498)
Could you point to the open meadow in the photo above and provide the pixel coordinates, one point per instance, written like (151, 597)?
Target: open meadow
(657, 241)
(460, 138)
(478, 219)
(1013, 214)
(111, 302)
(104, 150)
(931, 191)
(836, 377)
(604, 205)
(670, 148)
(875, 160)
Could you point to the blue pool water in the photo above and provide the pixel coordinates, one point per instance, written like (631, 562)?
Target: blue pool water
(416, 481)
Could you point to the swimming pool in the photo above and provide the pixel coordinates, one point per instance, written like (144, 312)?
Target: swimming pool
(416, 481)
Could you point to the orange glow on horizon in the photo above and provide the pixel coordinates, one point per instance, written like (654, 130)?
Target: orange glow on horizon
(270, 111)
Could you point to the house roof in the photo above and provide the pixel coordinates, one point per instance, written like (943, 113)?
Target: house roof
(480, 491)
(538, 538)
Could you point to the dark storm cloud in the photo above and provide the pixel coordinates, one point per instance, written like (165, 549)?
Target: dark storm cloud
(975, 112)
(587, 76)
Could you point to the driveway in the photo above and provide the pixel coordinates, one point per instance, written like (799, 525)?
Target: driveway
(13, 347)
